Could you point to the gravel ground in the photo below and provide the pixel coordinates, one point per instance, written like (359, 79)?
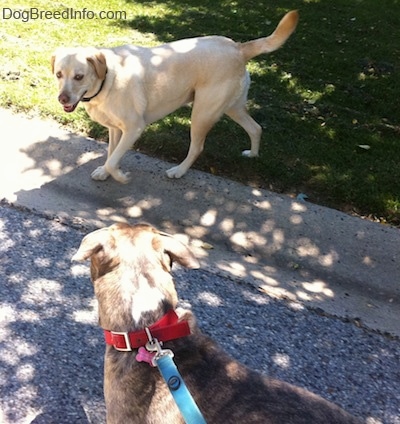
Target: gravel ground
(51, 349)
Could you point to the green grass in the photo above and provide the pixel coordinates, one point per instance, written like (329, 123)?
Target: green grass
(333, 87)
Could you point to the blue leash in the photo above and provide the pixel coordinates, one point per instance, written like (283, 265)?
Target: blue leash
(163, 359)
(186, 404)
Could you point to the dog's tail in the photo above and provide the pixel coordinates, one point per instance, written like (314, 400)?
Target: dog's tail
(268, 44)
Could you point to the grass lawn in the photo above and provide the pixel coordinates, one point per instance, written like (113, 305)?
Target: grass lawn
(328, 100)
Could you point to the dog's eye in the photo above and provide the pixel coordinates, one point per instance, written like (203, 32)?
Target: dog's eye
(78, 77)
(58, 74)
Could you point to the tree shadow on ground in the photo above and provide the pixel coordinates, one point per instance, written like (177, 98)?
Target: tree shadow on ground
(50, 346)
(51, 349)
(268, 232)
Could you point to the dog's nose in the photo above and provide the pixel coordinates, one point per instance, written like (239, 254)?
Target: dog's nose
(63, 98)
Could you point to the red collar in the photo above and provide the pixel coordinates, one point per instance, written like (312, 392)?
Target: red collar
(167, 328)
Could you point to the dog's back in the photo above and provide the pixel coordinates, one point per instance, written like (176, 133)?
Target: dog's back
(225, 391)
(229, 393)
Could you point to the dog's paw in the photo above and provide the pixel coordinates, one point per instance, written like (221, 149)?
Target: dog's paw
(175, 172)
(100, 174)
(249, 154)
(121, 177)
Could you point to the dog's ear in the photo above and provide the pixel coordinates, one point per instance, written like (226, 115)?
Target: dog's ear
(59, 51)
(179, 252)
(98, 61)
(90, 244)
(52, 61)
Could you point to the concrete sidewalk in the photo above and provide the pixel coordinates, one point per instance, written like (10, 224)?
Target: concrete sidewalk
(308, 254)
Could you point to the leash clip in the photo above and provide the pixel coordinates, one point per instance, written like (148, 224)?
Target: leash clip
(153, 345)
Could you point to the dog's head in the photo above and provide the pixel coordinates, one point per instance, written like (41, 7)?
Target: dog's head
(130, 270)
(79, 71)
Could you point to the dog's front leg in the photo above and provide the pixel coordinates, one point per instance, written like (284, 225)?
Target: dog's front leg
(114, 137)
(126, 142)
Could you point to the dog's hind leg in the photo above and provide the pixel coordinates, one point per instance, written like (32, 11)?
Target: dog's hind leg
(240, 115)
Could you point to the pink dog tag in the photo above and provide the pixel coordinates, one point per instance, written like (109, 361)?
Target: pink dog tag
(144, 355)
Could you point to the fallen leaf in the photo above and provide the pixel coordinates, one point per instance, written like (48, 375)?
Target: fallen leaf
(302, 197)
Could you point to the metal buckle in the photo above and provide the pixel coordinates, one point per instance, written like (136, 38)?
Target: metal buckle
(128, 347)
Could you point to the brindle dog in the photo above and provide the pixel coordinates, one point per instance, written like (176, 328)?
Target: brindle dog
(130, 270)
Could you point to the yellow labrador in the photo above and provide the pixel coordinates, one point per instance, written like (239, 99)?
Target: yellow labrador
(128, 87)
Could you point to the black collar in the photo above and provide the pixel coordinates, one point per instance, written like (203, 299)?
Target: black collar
(87, 99)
